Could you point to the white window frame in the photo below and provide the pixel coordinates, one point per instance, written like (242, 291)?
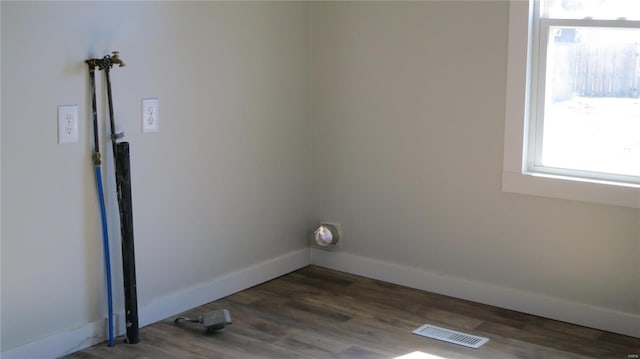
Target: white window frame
(518, 176)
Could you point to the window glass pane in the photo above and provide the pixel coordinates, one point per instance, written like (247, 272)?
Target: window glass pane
(595, 9)
(592, 100)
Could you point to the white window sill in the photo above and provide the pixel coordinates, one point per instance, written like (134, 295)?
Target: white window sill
(571, 189)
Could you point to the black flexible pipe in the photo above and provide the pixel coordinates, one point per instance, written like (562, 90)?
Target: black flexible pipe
(123, 181)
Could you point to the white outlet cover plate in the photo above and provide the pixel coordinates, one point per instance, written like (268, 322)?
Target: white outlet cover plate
(67, 124)
(150, 115)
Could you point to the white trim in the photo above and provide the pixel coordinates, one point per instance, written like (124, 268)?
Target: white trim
(571, 189)
(75, 339)
(223, 286)
(60, 344)
(515, 179)
(516, 106)
(526, 302)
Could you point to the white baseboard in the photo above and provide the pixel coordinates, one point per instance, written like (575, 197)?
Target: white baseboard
(526, 302)
(223, 286)
(75, 339)
(89, 334)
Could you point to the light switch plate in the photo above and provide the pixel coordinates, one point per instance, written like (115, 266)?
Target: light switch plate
(67, 124)
(150, 115)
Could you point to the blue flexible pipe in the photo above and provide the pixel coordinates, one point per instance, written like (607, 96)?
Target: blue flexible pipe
(107, 257)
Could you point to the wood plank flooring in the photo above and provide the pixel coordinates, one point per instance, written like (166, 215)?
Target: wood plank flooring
(320, 313)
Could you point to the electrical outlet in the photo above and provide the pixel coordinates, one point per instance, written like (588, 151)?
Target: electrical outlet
(150, 115)
(67, 124)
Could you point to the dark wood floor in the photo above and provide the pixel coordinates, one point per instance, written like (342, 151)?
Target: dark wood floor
(320, 313)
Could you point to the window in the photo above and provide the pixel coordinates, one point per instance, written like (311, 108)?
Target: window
(584, 118)
(573, 100)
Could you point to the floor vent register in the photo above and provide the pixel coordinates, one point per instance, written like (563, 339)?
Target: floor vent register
(450, 336)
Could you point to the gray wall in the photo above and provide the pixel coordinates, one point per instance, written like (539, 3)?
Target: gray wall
(408, 126)
(221, 187)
